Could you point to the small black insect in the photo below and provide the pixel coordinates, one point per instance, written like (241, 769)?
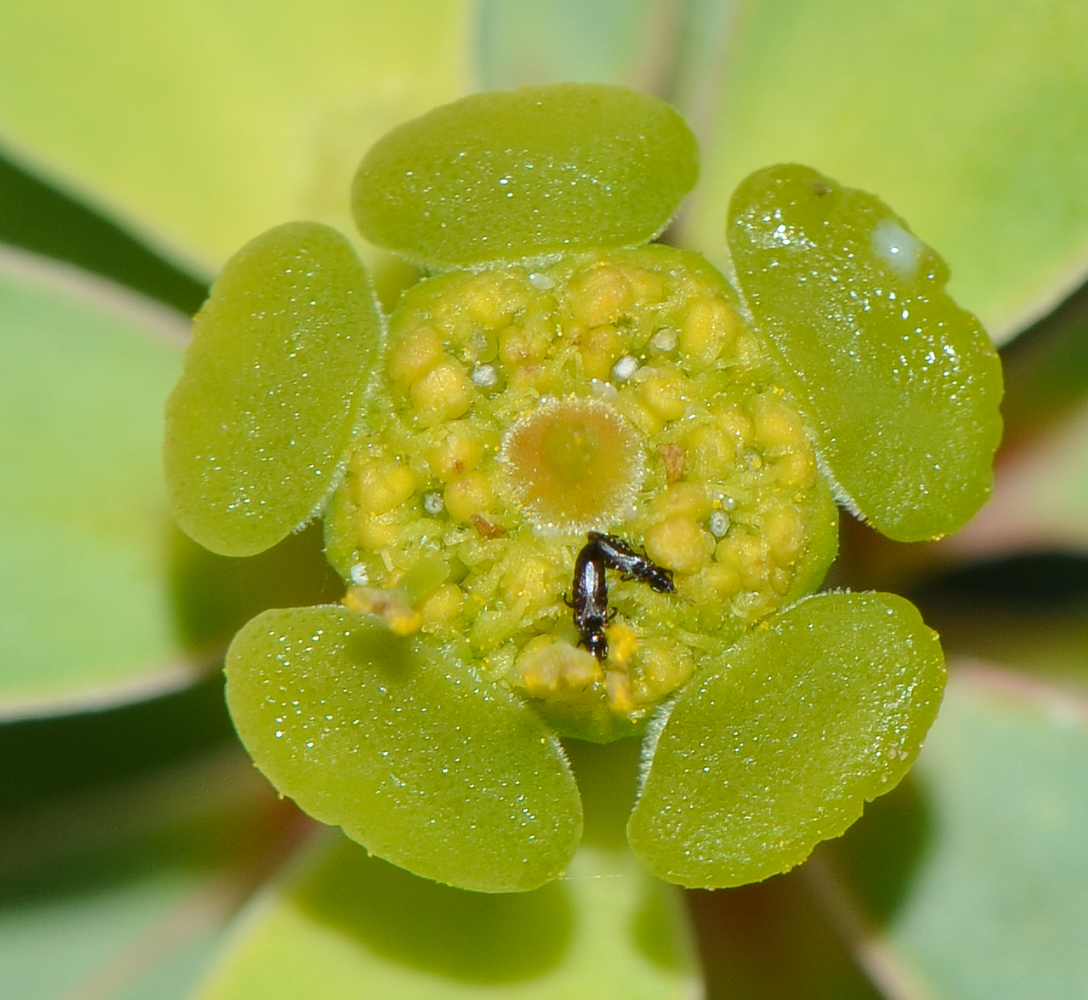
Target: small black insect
(590, 600)
(590, 589)
(618, 555)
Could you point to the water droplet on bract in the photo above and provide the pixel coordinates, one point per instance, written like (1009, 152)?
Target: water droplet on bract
(897, 248)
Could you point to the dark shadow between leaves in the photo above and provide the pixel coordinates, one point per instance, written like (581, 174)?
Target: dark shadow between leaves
(47, 221)
(607, 776)
(1046, 367)
(775, 939)
(44, 758)
(470, 936)
(769, 940)
(880, 854)
(214, 595)
(1026, 612)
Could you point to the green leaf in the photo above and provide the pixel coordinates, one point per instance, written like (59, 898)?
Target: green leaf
(537, 171)
(780, 746)
(399, 742)
(952, 111)
(205, 123)
(266, 407)
(991, 900)
(124, 892)
(85, 531)
(902, 385)
(591, 41)
(347, 925)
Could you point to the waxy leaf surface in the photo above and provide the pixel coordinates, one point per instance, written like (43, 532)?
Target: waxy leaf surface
(265, 408)
(780, 746)
(502, 176)
(902, 385)
(400, 743)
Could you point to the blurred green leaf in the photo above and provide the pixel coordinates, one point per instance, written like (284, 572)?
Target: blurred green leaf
(992, 900)
(346, 922)
(583, 41)
(104, 601)
(85, 535)
(123, 892)
(201, 124)
(970, 118)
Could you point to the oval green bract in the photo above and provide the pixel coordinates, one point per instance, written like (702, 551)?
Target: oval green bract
(258, 424)
(524, 173)
(901, 384)
(401, 744)
(816, 711)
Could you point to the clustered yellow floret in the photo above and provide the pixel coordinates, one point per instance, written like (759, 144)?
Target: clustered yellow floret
(523, 407)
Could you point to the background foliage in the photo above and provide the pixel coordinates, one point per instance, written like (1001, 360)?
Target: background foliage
(141, 856)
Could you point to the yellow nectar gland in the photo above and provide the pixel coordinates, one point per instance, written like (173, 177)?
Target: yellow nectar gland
(573, 466)
(523, 407)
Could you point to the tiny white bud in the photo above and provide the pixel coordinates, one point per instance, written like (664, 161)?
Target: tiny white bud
(625, 368)
(665, 339)
(541, 282)
(484, 376)
(359, 576)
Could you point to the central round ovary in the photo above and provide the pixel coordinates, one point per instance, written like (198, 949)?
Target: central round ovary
(573, 465)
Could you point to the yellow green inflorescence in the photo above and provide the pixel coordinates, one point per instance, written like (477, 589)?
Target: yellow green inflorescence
(522, 407)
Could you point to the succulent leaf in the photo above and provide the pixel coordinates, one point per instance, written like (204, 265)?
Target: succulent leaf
(258, 424)
(901, 384)
(780, 746)
(399, 742)
(502, 176)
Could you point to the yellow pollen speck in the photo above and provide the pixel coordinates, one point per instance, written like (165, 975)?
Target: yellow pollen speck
(547, 667)
(391, 606)
(622, 645)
